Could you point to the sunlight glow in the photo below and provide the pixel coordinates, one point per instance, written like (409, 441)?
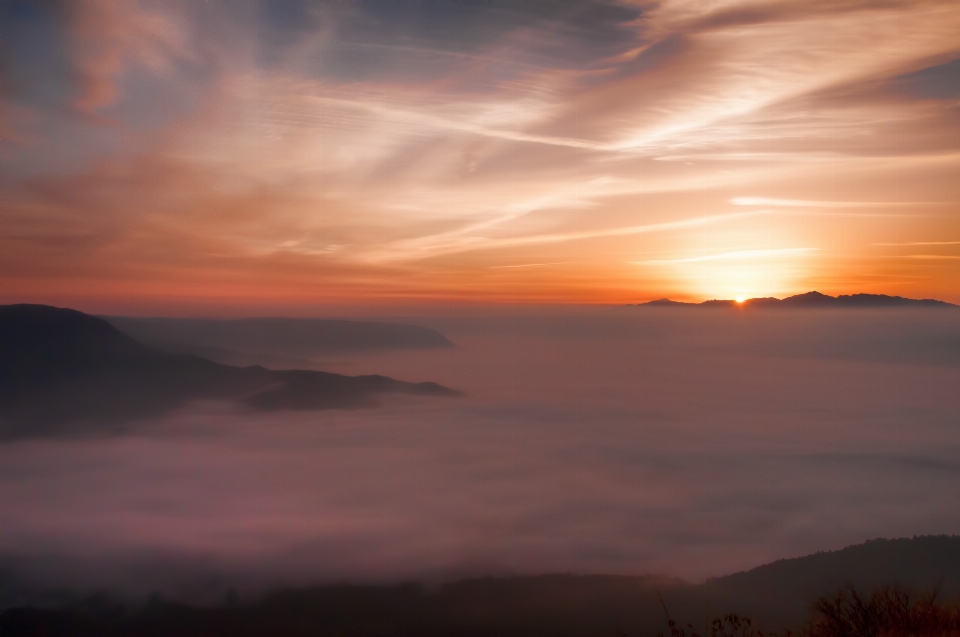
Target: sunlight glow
(738, 274)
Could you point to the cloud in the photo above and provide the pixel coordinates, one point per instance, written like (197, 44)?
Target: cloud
(920, 243)
(736, 70)
(111, 36)
(531, 265)
(800, 203)
(734, 256)
(616, 441)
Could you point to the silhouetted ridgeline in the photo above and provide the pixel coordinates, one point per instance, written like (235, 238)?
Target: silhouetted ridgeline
(65, 371)
(813, 300)
(782, 593)
(783, 590)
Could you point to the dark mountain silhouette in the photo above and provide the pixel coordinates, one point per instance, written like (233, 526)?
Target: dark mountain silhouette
(557, 605)
(283, 341)
(812, 300)
(62, 370)
(665, 302)
(781, 592)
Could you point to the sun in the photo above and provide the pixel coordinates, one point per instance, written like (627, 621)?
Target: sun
(740, 299)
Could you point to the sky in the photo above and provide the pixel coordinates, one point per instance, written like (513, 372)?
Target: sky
(289, 156)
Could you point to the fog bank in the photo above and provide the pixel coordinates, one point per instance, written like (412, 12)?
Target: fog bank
(623, 441)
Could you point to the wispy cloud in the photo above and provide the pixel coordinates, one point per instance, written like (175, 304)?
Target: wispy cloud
(474, 243)
(108, 37)
(920, 243)
(423, 118)
(530, 265)
(804, 203)
(735, 255)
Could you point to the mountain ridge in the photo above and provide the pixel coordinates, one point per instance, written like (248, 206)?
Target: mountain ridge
(782, 589)
(811, 299)
(64, 371)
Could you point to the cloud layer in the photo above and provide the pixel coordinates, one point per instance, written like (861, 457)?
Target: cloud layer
(638, 441)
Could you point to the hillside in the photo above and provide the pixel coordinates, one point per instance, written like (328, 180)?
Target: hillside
(64, 371)
(776, 595)
(781, 592)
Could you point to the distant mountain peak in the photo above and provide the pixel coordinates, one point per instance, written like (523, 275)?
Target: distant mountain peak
(666, 302)
(813, 295)
(812, 299)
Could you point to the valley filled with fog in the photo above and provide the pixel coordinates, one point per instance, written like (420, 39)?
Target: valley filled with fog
(683, 442)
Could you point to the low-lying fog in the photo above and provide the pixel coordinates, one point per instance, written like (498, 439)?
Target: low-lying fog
(686, 442)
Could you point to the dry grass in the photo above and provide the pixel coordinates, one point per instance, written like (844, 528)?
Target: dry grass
(889, 611)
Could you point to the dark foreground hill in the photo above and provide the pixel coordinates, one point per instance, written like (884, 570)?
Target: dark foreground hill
(781, 592)
(776, 595)
(62, 371)
(813, 300)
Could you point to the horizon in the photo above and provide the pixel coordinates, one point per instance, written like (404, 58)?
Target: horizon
(413, 310)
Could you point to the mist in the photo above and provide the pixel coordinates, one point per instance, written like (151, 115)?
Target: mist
(681, 442)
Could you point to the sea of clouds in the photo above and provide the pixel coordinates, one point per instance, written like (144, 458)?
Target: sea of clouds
(689, 443)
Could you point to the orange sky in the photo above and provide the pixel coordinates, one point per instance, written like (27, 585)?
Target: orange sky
(178, 158)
